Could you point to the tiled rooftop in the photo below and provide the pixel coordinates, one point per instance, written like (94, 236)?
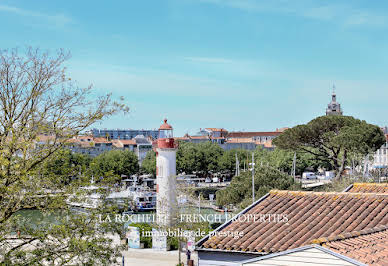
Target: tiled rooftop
(101, 140)
(199, 137)
(369, 188)
(45, 138)
(119, 143)
(310, 215)
(240, 140)
(128, 141)
(252, 134)
(216, 129)
(369, 246)
(182, 138)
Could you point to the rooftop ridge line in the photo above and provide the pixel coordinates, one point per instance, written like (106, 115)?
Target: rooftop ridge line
(371, 184)
(328, 193)
(348, 235)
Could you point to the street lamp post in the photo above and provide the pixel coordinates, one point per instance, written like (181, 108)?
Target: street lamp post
(199, 203)
(253, 176)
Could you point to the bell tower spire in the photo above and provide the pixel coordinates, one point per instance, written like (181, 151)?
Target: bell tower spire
(333, 95)
(333, 108)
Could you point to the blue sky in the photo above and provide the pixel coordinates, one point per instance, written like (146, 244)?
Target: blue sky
(237, 64)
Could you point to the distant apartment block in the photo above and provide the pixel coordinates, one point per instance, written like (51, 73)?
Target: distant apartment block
(380, 158)
(94, 146)
(123, 133)
(90, 145)
(260, 137)
(215, 135)
(213, 132)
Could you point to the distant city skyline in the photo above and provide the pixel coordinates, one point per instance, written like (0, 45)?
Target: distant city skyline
(238, 64)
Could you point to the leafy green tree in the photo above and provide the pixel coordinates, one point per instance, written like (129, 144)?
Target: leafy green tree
(283, 159)
(239, 192)
(330, 139)
(116, 162)
(211, 154)
(198, 157)
(41, 108)
(228, 159)
(66, 164)
(149, 163)
(189, 158)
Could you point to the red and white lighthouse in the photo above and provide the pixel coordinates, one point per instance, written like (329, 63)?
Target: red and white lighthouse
(166, 205)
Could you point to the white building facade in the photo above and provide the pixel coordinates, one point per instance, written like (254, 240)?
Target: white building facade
(380, 158)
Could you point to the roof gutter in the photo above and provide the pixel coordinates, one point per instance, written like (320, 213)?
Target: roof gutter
(289, 251)
(231, 251)
(348, 188)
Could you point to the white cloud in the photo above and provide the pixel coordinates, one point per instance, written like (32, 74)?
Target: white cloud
(214, 60)
(56, 19)
(345, 14)
(148, 81)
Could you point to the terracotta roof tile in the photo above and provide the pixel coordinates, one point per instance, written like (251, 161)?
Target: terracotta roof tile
(199, 137)
(89, 138)
(72, 140)
(282, 129)
(368, 246)
(369, 188)
(119, 143)
(128, 141)
(240, 140)
(252, 134)
(83, 141)
(310, 215)
(216, 129)
(45, 138)
(268, 144)
(181, 138)
(101, 140)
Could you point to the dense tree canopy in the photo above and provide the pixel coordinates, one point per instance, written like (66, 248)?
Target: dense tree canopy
(211, 154)
(149, 163)
(228, 159)
(116, 162)
(331, 139)
(283, 159)
(198, 157)
(239, 192)
(66, 165)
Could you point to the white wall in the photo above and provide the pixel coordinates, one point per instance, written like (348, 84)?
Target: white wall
(307, 257)
(166, 205)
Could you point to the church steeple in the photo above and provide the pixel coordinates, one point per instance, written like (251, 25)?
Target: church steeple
(334, 96)
(334, 108)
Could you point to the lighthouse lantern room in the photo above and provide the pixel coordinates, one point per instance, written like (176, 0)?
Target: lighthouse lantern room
(166, 139)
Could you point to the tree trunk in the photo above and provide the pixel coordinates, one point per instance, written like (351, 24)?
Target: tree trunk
(342, 167)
